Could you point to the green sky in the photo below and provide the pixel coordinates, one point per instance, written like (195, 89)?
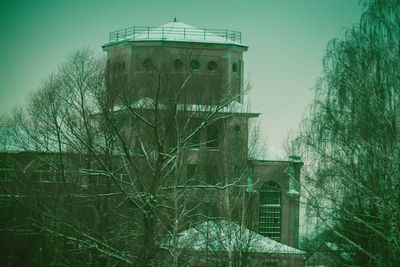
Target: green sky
(286, 39)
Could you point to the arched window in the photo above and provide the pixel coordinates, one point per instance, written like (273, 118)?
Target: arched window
(212, 137)
(270, 210)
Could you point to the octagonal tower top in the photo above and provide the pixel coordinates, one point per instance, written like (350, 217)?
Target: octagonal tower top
(213, 59)
(176, 31)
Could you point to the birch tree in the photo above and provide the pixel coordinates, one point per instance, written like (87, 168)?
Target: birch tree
(351, 140)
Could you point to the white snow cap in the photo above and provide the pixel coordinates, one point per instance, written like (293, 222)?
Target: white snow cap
(224, 234)
(178, 31)
(233, 107)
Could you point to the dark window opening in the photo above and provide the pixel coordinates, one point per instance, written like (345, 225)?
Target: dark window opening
(211, 65)
(194, 65)
(234, 67)
(212, 137)
(236, 131)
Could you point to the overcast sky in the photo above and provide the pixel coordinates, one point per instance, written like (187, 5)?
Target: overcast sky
(286, 40)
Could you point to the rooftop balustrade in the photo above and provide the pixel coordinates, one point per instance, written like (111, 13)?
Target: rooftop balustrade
(175, 33)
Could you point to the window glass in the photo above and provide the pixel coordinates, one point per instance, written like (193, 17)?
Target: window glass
(270, 210)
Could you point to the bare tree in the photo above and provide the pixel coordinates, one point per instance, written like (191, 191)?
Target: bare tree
(124, 171)
(257, 144)
(351, 141)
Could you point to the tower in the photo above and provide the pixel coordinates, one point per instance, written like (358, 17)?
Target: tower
(199, 68)
(195, 67)
(139, 56)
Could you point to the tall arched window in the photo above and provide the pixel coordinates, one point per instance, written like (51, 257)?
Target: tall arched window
(270, 210)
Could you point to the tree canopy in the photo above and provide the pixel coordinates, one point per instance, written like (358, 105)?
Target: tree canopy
(352, 139)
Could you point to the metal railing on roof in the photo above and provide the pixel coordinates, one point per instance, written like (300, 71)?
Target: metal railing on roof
(152, 33)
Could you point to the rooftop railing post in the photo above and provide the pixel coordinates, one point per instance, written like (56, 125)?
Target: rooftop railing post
(148, 32)
(226, 35)
(184, 33)
(204, 34)
(133, 34)
(162, 32)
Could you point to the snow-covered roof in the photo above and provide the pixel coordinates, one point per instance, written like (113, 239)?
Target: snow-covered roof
(232, 107)
(223, 235)
(177, 31)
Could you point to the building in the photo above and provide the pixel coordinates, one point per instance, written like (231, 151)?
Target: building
(175, 105)
(214, 58)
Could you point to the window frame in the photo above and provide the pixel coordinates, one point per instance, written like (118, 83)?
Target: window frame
(270, 210)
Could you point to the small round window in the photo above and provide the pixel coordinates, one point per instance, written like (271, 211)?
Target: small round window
(178, 64)
(195, 65)
(234, 67)
(211, 66)
(147, 64)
